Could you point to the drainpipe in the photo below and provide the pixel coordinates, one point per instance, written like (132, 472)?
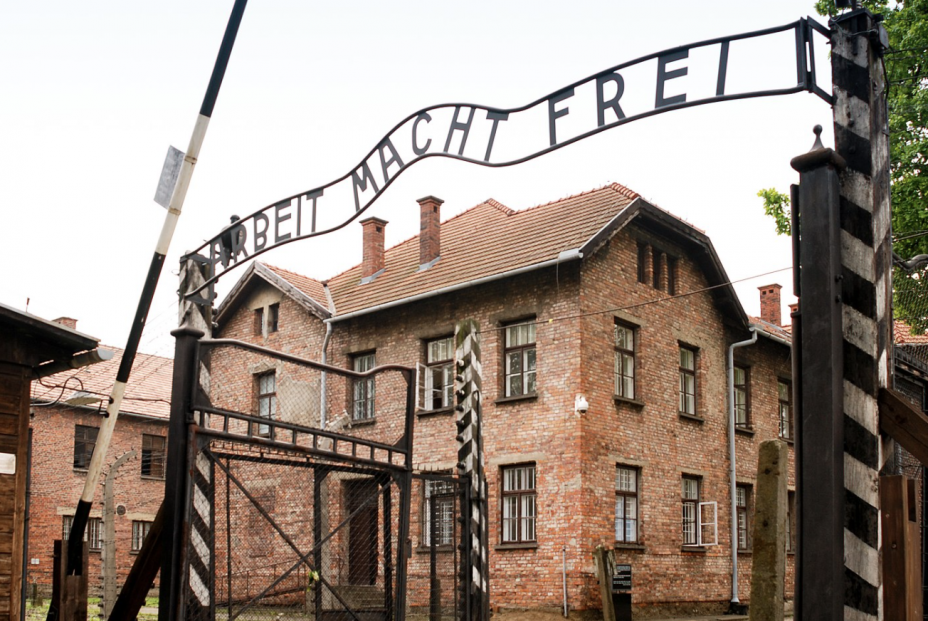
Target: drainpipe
(564, 576)
(731, 459)
(325, 347)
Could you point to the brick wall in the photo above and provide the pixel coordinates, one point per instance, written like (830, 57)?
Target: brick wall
(575, 455)
(56, 487)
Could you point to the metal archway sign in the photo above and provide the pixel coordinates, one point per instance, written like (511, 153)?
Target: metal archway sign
(477, 134)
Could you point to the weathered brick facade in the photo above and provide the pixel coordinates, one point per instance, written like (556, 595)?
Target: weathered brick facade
(56, 483)
(654, 275)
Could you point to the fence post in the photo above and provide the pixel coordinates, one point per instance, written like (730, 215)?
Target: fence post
(768, 556)
(468, 393)
(170, 605)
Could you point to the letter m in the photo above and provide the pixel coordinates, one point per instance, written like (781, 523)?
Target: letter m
(359, 183)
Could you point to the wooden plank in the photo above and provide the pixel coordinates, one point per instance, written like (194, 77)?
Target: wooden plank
(11, 404)
(11, 384)
(894, 515)
(9, 424)
(905, 424)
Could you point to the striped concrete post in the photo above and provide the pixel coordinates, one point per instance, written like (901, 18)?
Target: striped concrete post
(862, 139)
(475, 586)
(846, 332)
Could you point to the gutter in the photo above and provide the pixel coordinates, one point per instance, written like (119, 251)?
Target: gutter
(563, 257)
(76, 362)
(772, 337)
(731, 459)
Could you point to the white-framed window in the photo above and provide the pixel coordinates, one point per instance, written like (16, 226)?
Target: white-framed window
(439, 373)
(519, 356)
(267, 400)
(700, 519)
(440, 496)
(140, 530)
(626, 504)
(95, 533)
(362, 396)
(742, 505)
(687, 380)
(518, 503)
(624, 338)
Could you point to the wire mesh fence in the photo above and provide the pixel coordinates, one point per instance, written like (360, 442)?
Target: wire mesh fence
(298, 514)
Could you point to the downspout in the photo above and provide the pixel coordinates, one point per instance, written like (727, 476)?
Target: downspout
(731, 459)
(325, 347)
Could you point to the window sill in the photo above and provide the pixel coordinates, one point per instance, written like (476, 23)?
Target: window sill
(442, 412)
(746, 552)
(629, 546)
(789, 441)
(148, 477)
(526, 545)
(697, 419)
(529, 397)
(745, 431)
(81, 470)
(633, 402)
(440, 549)
(362, 423)
(696, 549)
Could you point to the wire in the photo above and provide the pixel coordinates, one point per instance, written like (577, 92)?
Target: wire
(640, 304)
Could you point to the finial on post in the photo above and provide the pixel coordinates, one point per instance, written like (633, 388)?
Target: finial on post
(817, 130)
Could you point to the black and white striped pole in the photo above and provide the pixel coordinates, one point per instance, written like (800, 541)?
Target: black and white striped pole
(105, 434)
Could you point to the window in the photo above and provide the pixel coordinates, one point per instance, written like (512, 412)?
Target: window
(139, 532)
(153, 453)
(624, 337)
(363, 389)
(687, 381)
(94, 529)
(518, 504)
(742, 499)
(643, 263)
(440, 496)
(690, 510)
(259, 321)
(790, 521)
(273, 318)
(742, 402)
(626, 504)
(785, 401)
(267, 400)
(85, 438)
(657, 267)
(520, 360)
(439, 374)
(671, 276)
(95, 533)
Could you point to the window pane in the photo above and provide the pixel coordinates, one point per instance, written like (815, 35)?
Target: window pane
(739, 376)
(686, 359)
(783, 391)
(691, 489)
(514, 362)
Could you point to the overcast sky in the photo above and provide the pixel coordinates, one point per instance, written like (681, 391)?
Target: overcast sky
(94, 92)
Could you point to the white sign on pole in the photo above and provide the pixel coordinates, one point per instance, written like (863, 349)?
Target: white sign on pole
(169, 173)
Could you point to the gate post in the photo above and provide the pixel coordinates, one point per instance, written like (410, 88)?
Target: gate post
(862, 139)
(819, 426)
(170, 605)
(468, 394)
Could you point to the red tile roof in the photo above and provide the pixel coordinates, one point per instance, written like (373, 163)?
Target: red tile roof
(485, 240)
(780, 332)
(311, 287)
(902, 334)
(147, 393)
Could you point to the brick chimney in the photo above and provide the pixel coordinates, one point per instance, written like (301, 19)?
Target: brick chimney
(770, 304)
(429, 229)
(373, 246)
(67, 322)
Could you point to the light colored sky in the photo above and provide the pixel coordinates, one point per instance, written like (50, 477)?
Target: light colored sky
(94, 92)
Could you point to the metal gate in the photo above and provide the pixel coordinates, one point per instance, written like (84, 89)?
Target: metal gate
(292, 514)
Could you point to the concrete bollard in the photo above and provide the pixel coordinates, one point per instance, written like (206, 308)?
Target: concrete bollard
(768, 554)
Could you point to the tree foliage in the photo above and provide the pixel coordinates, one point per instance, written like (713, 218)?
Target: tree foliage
(906, 66)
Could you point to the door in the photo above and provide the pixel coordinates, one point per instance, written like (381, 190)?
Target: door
(362, 497)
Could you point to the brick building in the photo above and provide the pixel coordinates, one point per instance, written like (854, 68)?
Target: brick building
(605, 325)
(66, 413)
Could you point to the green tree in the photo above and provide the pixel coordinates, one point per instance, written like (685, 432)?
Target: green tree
(906, 64)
